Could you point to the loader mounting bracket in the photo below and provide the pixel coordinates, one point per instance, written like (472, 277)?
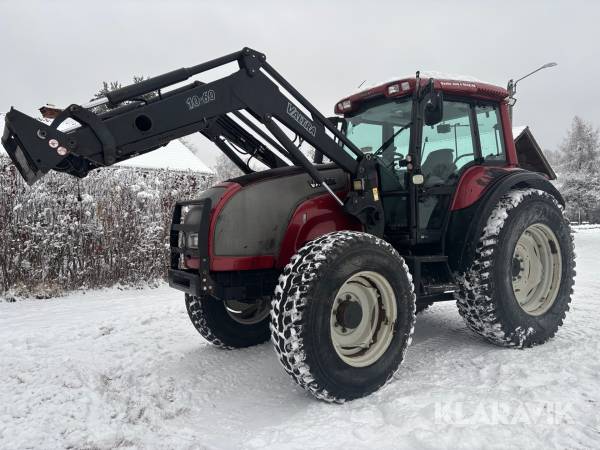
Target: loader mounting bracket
(364, 200)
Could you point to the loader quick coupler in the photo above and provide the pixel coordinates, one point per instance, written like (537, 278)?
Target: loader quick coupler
(85, 117)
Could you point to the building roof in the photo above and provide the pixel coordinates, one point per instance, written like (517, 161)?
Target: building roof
(173, 156)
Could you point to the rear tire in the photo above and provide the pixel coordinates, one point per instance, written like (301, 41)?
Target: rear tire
(343, 315)
(518, 288)
(225, 328)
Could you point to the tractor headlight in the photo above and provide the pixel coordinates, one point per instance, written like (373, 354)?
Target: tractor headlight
(192, 240)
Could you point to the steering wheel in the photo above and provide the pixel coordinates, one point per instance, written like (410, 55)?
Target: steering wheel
(462, 156)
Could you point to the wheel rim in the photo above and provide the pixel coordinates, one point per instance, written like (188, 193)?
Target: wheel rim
(536, 269)
(362, 319)
(248, 313)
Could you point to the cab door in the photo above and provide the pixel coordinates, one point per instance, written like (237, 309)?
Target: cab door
(470, 133)
(446, 149)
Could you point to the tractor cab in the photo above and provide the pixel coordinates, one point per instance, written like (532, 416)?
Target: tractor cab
(422, 159)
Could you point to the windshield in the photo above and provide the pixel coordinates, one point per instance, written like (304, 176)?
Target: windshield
(383, 130)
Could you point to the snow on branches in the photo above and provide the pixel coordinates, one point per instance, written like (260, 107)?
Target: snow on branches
(110, 227)
(578, 170)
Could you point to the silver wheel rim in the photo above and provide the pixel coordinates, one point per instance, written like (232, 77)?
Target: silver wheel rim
(537, 268)
(360, 340)
(248, 313)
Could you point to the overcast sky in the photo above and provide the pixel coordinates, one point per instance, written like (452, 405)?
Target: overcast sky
(61, 51)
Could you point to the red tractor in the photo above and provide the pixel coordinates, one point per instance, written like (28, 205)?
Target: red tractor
(416, 194)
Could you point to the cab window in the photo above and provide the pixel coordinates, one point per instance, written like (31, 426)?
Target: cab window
(366, 136)
(379, 128)
(490, 133)
(448, 145)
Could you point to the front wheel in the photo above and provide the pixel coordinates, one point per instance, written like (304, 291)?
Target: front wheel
(518, 289)
(230, 324)
(343, 315)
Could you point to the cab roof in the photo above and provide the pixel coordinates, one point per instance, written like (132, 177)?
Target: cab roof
(400, 87)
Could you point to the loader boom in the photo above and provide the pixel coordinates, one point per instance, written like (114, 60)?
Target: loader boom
(213, 109)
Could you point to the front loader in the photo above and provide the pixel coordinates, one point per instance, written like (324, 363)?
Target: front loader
(415, 195)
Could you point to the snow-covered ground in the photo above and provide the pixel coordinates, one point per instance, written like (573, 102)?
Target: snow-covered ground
(126, 369)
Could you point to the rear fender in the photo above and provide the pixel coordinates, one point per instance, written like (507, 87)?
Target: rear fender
(465, 224)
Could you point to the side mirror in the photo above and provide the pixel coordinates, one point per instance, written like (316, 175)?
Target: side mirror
(433, 110)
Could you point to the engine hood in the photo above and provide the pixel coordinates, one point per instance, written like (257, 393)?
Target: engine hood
(253, 220)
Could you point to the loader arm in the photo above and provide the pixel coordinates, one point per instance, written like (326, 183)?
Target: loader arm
(213, 109)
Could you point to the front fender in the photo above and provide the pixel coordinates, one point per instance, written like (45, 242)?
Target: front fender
(313, 218)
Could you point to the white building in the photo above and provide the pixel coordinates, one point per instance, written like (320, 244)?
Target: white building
(173, 156)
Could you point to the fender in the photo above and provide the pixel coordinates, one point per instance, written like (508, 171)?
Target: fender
(461, 245)
(313, 218)
(475, 181)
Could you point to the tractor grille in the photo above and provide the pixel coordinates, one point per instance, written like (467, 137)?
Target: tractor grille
(190, 218)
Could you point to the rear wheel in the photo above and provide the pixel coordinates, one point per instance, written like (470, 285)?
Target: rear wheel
(518, 288)
(230, 324)
(343, 315)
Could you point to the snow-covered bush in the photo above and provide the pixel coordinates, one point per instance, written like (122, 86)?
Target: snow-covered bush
(110, 227)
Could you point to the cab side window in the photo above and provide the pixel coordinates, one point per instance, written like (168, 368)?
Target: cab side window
(490, 133)
(447, 146)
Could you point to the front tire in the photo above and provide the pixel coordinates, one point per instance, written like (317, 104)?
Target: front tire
(232, 324)
(343, 315)
(518, 288)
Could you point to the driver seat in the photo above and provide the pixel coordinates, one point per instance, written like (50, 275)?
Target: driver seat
(438, 166)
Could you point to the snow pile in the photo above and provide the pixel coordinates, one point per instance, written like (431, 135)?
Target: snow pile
(127, 369)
